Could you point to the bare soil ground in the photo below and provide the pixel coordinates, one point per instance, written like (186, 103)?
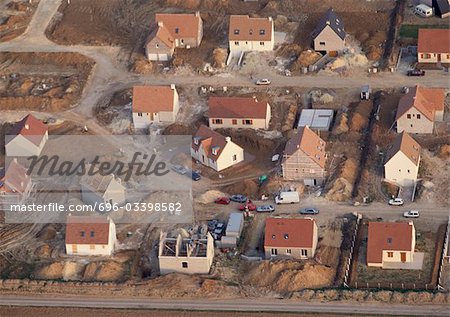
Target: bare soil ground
(42, 81)
(14, 17)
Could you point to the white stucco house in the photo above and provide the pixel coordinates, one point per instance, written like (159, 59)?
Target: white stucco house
(90, 235)
(329, 35)
(250, 34)
(212, 149)
(27, 137)
(15, 185)
(159, 104)
(403, 160)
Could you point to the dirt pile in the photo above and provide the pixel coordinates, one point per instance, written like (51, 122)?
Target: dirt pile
(209, 196)
(341, 125)
(342, 187)
(305, 59)
(44, 251)
(53, 271)
(248, 187)
(444, 151)
(288, 276)
(219, 57)
(142, 66)
(289, 50)
(360, 117)
(16, 24)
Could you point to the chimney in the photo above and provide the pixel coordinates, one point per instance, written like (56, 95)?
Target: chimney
(172, 86)
(328, 22)
(228, 139)
(197, 14)
(270, 18)
(160, 24)
(27, 126)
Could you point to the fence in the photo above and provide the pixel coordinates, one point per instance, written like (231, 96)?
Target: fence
(352, 251)
(392, 286)
(443, 255)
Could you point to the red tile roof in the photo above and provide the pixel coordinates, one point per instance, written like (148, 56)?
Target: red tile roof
(425, 100)
(153, 99)
(288, 232)
(15, 179)
(310, 143)
(407, 145)
(395, 236)
(163, 35)
(187, 24)
(209, 139)
(76, 225)
(30, 128)
(237, 107)
(244, 28)
(434, 41)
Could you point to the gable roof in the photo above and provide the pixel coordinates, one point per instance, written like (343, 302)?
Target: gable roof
(395, 236)
(237, 107)
(442, 7)
(209, 139)
(245, 28)
(16, 179)
(153, 99)
(187, 24)
(161, 33)
(30, 128)
(78, 224)
(331, 19)
(97, 183)
(425, 100)
(433, 41)
(289, 232)
(407, 145)
(310, 143)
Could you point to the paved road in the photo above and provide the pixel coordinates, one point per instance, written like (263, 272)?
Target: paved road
(249, 305)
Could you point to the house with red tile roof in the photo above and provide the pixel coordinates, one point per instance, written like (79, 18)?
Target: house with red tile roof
(403, 160)
(238, 112)
(250, 34)
(290, 238)
(214, 150)
(15, 184)
(419, 109)
(159, 104)
(433, 46)
(391, 243)
(27, 137)
(90, 235)
(173, 30)
(304, 158)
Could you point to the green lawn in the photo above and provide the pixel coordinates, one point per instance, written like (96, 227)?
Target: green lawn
(412, 30)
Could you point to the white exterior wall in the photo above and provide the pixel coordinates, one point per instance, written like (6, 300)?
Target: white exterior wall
(257, 123)
(424, 57)
(142, 122)
(330, 41)
(21, 146)
(115, 193)
(225, 159)
(401, 169)
(236, 47)
(95, 249)
(414, 125)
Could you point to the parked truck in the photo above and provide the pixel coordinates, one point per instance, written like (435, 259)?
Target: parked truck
(291, 197)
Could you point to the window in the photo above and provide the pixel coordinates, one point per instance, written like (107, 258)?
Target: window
(261, 43)
(234, 121)
(139, 114)
(408, 116)
(234, 157)
(236, 31)
(92, 234)
(389, 240)
(304, 252)
(82, 233)
(157, 45)
(217, 121)
(411, 125)
(273, 251)
(418, 116)
(182, 41)
(250, 32)
(409, 171)
(426, 56)
(247, 122)
(262, 32)
(421, 55)
(390, 254)
(184, 265)
(286, 236)
(177, 30)
(236, 43)
(322, 43)
(288, 251)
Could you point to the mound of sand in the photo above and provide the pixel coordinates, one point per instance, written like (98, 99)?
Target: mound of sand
(44, 251)
(53, 271)
(342, 187)
(73, 271)
(341, 125)
(320, 97)
(219, 57)
(289, 276)
(349, 61)
(209, 196)
(305, 59)
(248, 187)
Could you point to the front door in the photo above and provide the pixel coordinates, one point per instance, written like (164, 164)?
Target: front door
(438, 57)
(403, 256)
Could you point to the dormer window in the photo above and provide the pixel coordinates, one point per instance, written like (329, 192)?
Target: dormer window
(273, 236)
(286, 236)
(262, 32)
(177, 30)
(196, 140)
(389, 240)
(215, 150)
(82, 233)
(236, 31)
(250, 32)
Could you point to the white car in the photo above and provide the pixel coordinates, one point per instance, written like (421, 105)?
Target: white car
(396, 202)
(263, 81)
(411, 214)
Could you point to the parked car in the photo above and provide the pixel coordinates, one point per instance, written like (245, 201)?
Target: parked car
(416, 72)
(265, 208)
(248, 206)
(396, 202)
(263, 81)
(309, 211)
(238, 198)
(195, 176)
(222, 200)
(411, 214)
(179, 169)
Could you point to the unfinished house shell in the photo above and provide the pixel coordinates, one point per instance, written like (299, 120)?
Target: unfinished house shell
(190, 255)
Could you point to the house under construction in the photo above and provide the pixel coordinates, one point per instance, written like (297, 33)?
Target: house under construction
(192, 254)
